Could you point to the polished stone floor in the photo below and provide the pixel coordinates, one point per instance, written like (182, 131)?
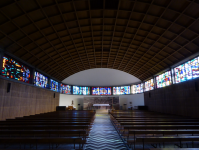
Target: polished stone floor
(103, 135)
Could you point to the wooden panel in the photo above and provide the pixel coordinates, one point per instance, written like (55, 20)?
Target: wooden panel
(179, 99)
(24, 100)
(141, 38)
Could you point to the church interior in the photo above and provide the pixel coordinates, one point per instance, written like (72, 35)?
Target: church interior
(99, 74)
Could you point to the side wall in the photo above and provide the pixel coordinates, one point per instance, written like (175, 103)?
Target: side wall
(180, 99)
(23, 100)
(137, 99)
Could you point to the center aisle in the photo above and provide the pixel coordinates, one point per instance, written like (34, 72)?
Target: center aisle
(103, 135)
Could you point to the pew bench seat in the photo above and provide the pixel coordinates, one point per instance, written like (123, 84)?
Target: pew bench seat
(42, 133)
(131, 136)
(45, 127)
(43, 140)
(164, 139)
(173, 148)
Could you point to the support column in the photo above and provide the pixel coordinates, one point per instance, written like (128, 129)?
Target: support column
(1, 59)
(32, 74)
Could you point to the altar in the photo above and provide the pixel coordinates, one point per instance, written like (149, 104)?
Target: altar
(102, 106)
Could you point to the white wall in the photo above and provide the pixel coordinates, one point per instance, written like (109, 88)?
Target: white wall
(66, 100)
(101, 77)
(136, 99)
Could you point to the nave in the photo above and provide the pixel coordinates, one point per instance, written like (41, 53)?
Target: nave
(66, 130)
(88, 130)
(103, 135)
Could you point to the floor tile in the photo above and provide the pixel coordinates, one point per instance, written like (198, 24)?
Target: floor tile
(103, 135)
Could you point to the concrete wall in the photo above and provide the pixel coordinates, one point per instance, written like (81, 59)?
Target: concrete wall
(24, 100)
(137, 99)
(180, 99)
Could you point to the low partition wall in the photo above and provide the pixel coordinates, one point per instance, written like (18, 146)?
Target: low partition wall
(18, 99)
(179, 99)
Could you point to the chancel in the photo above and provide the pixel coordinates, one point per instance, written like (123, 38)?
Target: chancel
(99, 74)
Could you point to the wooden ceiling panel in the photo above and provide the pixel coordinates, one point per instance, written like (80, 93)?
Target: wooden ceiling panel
(69, 17)
(170, 15)
(64, 37)
(25, 41)
(108, 14)
(192, 47)
(12, 14)
(179, 5)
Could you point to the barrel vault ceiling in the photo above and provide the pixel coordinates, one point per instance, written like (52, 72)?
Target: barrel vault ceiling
(63, 37)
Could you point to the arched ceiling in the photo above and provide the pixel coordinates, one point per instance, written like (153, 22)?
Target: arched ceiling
(101, 77)
(63, 37)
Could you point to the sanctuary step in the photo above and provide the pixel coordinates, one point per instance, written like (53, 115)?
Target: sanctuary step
(101, 111)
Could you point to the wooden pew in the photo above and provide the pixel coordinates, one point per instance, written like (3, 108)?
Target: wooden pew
(173, 148)
(43, 123)
(163, 132)
(124, 124)
(164, 139)
(55, 118)
(43, 140)
(136, 122)
(44, 127)
(145, 122)
(155, 120)
(159, 123)
(158, 127)
(42, 149)
(48, 120)
(68, 127)
(47, 133)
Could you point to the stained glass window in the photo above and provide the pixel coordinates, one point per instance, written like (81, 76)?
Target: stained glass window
(149, 85)
(164, 79)
(15, 70)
